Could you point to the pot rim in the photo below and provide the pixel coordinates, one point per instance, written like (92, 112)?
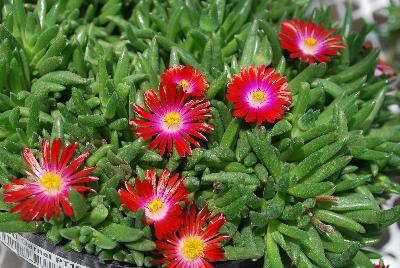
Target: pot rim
(37, 250)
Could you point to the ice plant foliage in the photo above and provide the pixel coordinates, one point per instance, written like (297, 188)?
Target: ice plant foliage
(193, 245)
(173, 120)
(308, 41)
(54, 85)
(189, 79)
(259, 95)
(49, 182)
(159, 199)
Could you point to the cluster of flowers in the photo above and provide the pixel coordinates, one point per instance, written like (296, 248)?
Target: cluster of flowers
(180, 233)
(175, 118)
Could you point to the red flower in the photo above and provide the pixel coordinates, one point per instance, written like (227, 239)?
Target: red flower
(192, 81)
(259, 95)
(308, 41)
(382, 68)
(192, 245)
(381, 265)
(159, 200)
(172, 120)
(49, 183)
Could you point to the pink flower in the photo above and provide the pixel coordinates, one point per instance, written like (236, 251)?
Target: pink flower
(49, 182)
(193, 244)
(308, 41)
(160, 201)
(172, 120)
(259, 95)
(191, 80)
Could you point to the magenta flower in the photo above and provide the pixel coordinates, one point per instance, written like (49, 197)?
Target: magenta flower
(49, 182)
(172, 120)
(259, 95)
(308, 41)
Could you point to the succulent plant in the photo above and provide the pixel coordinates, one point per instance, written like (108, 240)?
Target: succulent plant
(303, 188)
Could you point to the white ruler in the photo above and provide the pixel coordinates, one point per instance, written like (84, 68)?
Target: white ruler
(34, 254)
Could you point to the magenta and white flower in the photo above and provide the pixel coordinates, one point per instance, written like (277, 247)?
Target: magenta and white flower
(191, 80)
(49, 182)
(195, 243)
(160, 200)
(172, 120)
(308, 41)
(259, 94)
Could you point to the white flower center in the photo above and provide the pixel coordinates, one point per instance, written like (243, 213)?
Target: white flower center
(309, 45)
(257, 98)
(172, 122)
(156, 209)
(51, 182)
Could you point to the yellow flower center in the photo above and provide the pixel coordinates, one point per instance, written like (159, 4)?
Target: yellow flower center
(258, 95)
(192, 248)
(184, 84)
(172, 119)
(51, 181)
(310, 41)
(155, 205)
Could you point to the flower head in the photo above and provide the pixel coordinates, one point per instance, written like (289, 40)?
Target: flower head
(259, 94)
(193, 245)
(308, 41)
(383, 68)
(172, 119)
(160, 200)
(49, 182)
(381, 266)
(190, 80)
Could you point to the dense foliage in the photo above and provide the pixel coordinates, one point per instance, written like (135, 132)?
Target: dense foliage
(304, 191)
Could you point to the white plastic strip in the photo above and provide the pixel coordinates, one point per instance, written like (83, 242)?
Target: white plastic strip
(34, 254)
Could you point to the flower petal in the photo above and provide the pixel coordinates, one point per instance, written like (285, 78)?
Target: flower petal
(31, 162)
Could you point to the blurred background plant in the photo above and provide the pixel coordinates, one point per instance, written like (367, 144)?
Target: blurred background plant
(390, 33)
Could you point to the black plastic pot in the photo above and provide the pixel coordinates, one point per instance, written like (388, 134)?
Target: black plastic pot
(41, 253)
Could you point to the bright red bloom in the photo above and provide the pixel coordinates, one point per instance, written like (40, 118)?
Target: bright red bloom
(191, 80)
(381, 266)
(192, 245)
(160, 201)
(308, 41)
(382, 68)
(172, 119)
(49, 183)
(259, 94)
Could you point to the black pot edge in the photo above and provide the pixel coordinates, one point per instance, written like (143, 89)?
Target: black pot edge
(92, 261)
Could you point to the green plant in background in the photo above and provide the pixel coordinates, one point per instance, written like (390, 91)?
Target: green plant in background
(390, 33)
(305, 191)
